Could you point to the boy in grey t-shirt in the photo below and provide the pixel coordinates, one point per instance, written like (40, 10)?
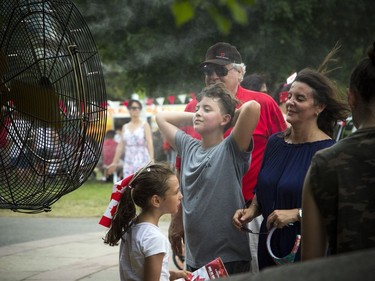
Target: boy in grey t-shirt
(211, 175)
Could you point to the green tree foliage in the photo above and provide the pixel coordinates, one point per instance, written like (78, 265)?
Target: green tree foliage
(155, 47)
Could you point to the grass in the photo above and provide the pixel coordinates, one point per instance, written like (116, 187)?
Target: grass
(89, 200)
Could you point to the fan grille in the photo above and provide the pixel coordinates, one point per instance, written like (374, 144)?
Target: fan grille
(53, 103)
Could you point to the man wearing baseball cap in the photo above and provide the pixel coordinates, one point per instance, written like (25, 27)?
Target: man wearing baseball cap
(223, 63)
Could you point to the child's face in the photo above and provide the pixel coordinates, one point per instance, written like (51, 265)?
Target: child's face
(208, 115)
(172, 198)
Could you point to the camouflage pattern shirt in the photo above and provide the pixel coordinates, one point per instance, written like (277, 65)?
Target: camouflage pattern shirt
(343, 184)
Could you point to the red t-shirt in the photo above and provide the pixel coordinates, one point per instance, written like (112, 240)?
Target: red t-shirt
(109, 151)
(271, 121)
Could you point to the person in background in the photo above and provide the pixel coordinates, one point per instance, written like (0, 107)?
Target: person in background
(143, 249)
(281, 96)
(16, 138)
(339, 195)
(170, 152)
(313, 109)
(211, 174)
(158, 141)
(4, 123)
(223, 63)
(117, 137)
(136, 142)
(108, 154)
(255, 82)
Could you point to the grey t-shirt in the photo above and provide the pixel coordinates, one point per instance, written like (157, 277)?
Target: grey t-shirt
(211, 188)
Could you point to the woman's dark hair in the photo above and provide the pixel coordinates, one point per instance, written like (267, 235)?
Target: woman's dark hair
(324, 92)
(226, 101)
(151, 180)
(362, 79)
(130, 104)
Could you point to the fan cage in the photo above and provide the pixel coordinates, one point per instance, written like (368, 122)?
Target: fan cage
(53, 103)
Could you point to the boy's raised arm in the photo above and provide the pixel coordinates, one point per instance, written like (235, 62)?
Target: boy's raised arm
(170, 121)
(248, 117)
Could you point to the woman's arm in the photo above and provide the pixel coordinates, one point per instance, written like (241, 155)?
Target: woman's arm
(153, 265)
(248, 117)
(150, 145)
(170, 121)
(314, 238)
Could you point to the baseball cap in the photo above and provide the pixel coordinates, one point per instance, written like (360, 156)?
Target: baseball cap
(222, 53)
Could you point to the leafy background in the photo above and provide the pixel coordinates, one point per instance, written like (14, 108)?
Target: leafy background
(154, 47)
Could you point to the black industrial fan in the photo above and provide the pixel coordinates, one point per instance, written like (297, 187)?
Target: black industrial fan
(53, 103)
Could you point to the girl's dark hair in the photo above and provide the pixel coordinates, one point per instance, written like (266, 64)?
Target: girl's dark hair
(130, 103)
(362, 79)
(324, 92)
(150, 181)
(226, 101)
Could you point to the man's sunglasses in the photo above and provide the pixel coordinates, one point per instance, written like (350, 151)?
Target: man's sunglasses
(220, 70)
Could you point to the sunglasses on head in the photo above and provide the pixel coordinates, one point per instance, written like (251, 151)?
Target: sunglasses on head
(220, 70)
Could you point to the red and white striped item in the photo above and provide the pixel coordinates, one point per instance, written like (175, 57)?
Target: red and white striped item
(117, 191)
